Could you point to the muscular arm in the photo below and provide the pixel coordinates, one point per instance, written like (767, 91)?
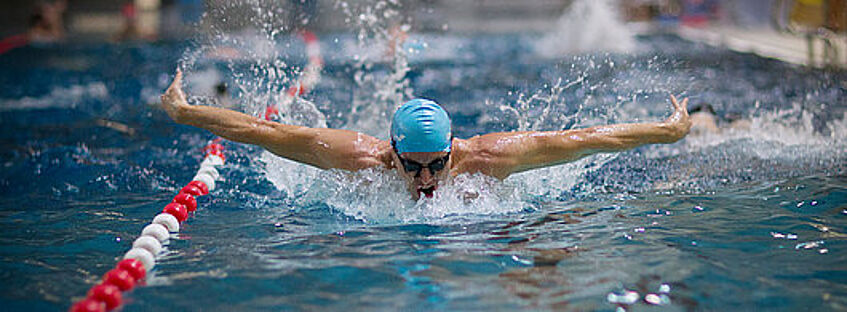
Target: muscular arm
(501, 154)
(319, 147)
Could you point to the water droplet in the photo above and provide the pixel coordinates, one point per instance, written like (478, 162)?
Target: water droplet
(653, 299)
(823, 250)
(809, 245)
(639, 230)
(521, 261)
(627, 297)
(698, 208)
(665, 288)
(814, 203)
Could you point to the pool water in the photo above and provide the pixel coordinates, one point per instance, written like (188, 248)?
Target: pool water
(745, 219)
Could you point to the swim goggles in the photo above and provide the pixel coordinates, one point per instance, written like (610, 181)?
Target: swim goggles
(414, 166)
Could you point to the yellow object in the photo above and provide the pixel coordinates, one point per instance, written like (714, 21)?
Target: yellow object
(808, 13)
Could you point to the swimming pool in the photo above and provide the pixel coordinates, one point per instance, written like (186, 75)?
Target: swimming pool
(741, 220)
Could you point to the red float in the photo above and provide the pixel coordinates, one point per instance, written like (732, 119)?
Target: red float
(270, 111)
(134, 267)
(177, 210)
(89, 305)
(192, 190)
(202, 186)
(108, 294)
(217, 153)
(120, 278)
(213, 147)
(186, 199)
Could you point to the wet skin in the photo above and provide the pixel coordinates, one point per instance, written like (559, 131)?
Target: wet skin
(495, 154)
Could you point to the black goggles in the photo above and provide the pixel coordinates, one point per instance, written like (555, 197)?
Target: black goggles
(414, 166)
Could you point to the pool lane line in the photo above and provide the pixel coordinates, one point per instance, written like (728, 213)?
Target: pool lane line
(13, 42)
(308, 79)
(141, 258)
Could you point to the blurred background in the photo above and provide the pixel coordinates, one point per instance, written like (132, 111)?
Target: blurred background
(799, 31)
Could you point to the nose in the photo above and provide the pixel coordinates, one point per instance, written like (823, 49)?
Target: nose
(426, 175)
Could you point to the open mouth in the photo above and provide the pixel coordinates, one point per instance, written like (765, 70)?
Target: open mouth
(427, 191)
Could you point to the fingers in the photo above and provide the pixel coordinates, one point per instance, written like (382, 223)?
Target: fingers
(176, 86)
(174, 92)
(178, 77)
(674, 102)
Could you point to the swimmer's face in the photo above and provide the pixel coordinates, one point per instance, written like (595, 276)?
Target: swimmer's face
(420, 169)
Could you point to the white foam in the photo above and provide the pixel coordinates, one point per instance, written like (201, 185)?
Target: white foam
(787, 128)
(380, 196)
(587, 26)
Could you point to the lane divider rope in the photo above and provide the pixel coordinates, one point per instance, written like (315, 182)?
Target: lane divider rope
(141, 258)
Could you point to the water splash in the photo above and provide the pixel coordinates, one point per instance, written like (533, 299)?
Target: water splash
(793, 126)
(379, 196)
(251, 39)
(587, 26)
(378, 92)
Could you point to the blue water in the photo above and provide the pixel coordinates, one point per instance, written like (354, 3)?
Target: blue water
(742, 220)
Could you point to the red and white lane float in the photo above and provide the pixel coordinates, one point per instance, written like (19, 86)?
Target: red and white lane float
(133, 268)
(307, 80)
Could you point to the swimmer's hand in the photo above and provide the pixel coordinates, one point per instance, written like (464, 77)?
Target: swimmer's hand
(678, 123)
(173, 101)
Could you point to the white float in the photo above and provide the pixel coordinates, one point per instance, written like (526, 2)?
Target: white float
(142, 255)
(157, 231)
(151, 244)
(211, 171)
(212, 160)
(206, 179)
(168, 220)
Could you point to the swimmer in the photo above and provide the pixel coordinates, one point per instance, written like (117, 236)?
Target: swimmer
(45, 24)
(222, 95)
(130, 29)
(704, 120)
(422, 149)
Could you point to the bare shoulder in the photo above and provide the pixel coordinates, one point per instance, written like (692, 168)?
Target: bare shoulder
(353, 150)
(482, 154)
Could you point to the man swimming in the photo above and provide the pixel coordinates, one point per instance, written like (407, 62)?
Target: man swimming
(422, 149)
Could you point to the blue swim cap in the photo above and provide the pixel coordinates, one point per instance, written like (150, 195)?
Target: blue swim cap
(421, 125)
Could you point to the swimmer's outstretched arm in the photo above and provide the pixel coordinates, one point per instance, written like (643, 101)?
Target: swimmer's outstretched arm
(319, 147)
(501, 154)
